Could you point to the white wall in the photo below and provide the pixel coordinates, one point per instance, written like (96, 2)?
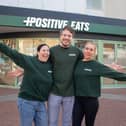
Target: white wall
(112, 8)
(56, 5)
(9, 2)
(73, 6)
(115, 9)
(36, 4)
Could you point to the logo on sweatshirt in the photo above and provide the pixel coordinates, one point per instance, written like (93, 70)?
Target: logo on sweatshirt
(49, 71)
(87, 69)
(72, 54)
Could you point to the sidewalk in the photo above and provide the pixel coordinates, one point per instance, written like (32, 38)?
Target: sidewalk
(112, 110)
(8, 107)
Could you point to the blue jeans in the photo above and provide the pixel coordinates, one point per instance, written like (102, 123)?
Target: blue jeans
(32, 111)
(54, 104)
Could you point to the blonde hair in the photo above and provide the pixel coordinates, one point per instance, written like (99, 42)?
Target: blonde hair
(90, 42)
(95, 48)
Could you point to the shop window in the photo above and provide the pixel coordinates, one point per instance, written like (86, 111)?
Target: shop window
(94, 4)
(95, 7)
(6, 63)
(8, 69)
(121, 58)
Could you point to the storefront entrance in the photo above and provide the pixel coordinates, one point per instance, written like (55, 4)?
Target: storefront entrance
(108, 52)
(114, 52)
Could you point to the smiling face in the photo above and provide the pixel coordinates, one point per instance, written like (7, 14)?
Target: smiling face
(66, 38)
(89, 51)
(43, 53)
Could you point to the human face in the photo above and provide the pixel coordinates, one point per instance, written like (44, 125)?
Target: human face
(66, 38)
(43, 53)
(89, 51)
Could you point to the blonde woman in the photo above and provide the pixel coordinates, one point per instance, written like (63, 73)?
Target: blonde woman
(88, 87)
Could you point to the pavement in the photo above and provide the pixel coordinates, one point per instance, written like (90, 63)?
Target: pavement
(112, 111)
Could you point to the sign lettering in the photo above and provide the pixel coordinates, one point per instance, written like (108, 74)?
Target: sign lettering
(55, 23)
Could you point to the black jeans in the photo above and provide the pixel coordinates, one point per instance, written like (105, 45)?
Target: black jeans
(85, 107)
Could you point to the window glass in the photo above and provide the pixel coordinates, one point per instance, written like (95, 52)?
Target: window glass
(94, 4)
(8, 69)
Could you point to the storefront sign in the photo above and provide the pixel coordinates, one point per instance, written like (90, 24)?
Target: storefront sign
(55, 23)
(58, 23)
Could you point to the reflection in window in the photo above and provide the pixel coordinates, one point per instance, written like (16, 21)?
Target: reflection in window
(108, 58)
(108, 53)
(94, 4)
(121, 54)
(121, 58)
(6, 64)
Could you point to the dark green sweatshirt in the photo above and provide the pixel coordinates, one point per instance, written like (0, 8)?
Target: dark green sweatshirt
(37, 79)
(87, 77)
(64, 60)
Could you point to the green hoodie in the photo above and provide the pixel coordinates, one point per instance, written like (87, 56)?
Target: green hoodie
(87, 77)
(37, 79)
(64, 61)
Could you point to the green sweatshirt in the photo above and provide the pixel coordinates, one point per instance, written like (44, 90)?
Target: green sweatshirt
(64, 60)
(37, 79)
(87, 77)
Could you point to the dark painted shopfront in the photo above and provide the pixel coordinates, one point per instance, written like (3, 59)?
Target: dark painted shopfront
(23, 29)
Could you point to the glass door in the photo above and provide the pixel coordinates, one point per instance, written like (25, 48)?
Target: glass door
(114, 52)
(108, 58)
(121, 59)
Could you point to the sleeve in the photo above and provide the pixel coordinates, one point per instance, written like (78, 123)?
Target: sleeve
(106, 71)
(17, 57)
(81, 56)
(51, 58)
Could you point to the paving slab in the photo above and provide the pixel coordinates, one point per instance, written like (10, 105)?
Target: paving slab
(112, 111)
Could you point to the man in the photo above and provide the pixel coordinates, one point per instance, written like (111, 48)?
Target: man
(64, 57)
